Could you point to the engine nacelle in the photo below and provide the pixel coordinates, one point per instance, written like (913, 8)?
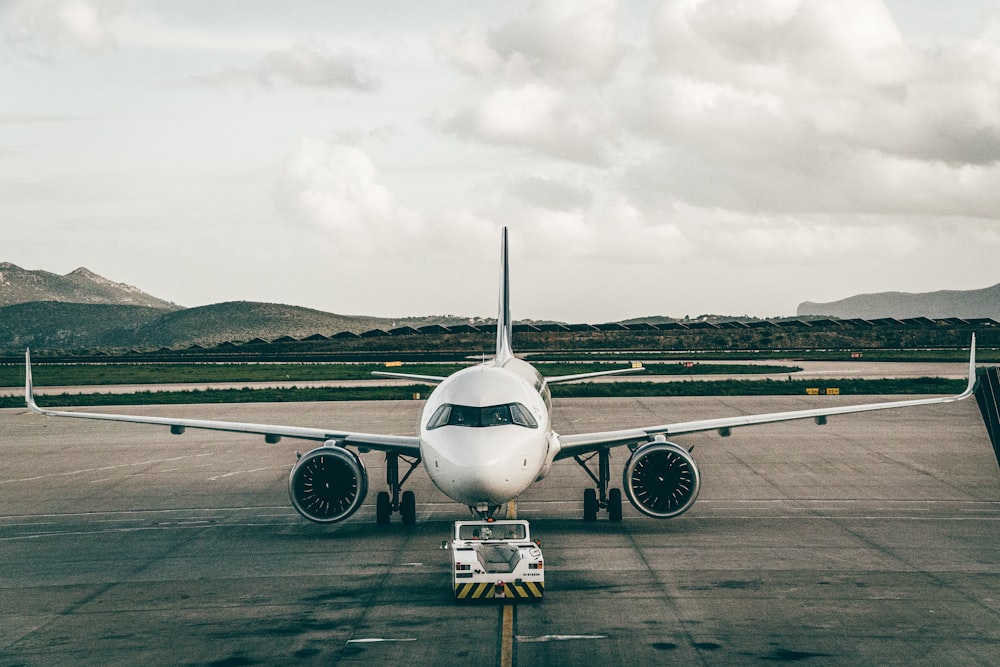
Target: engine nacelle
(328, 484)
(661, 479)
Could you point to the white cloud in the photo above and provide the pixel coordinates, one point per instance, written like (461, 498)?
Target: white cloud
(335, 188)
(43, 28)
(552, 39)
(766, 43)
(551, 36)
(309, 63)
(468, 49)
(539, 117)
(774, 106)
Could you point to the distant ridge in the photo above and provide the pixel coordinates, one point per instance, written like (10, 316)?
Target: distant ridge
(19, 285)
(53, 325)
(83, 310)
(966, 304)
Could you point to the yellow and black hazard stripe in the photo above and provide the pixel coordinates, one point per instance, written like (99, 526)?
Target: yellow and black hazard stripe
(512, 591)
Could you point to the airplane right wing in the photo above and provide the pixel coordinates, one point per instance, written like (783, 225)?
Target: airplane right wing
(586, 376)
(574, 445)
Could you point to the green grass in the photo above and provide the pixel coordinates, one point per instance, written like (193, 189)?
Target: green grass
(98, 374)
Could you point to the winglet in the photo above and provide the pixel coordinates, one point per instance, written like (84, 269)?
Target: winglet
(29, 390)
(972, 369)
(504, 324)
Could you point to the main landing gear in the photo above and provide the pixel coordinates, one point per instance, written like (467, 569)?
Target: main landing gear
(389, 502)
(600, 498)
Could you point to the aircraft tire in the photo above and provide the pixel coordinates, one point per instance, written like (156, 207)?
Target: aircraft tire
(589, 505)
(408, 508)
(615, 505)
(383, 508)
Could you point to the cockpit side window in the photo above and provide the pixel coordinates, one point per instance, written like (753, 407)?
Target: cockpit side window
(440, 417)
(494, 415)
(522, 416)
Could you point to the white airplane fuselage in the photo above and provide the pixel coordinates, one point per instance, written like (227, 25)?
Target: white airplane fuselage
(476, 448)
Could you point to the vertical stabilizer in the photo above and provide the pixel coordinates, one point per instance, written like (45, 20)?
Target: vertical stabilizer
(504, 324)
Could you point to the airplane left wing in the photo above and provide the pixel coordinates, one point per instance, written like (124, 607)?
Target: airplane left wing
(399, 444)
(573, 445)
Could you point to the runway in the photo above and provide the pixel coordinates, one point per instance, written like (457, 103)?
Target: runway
(872, 540)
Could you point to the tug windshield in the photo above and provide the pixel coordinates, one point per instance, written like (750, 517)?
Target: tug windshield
(496, 532)
(494, 415)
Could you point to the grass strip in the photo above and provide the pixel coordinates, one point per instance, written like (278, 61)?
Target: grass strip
(54, 375)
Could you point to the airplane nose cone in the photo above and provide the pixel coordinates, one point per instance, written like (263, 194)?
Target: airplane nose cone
(478, 470)
(491, 486)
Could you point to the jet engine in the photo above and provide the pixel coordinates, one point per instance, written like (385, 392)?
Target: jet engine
(661, 479)
(328, 484)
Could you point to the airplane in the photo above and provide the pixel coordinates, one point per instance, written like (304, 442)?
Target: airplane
(485, 436)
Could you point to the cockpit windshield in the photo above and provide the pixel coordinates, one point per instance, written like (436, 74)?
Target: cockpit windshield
(450, 414)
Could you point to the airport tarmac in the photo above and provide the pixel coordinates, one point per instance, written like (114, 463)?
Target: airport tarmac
(871, 540)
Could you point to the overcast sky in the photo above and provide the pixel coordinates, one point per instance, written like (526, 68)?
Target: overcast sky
(650, 158)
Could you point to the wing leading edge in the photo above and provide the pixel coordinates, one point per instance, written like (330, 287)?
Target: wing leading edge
(572, 445)
(400, 444)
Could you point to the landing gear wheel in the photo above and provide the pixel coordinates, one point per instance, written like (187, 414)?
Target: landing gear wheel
(589, 505)
(615, 505)
(383, 508)
(408, 508)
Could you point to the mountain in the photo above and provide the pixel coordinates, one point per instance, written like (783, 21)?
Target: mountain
(967, 304)
(51, 325)
(19, 285)
(243, 321)
(83, 310)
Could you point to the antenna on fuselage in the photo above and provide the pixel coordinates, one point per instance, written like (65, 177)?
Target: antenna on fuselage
(504, 324)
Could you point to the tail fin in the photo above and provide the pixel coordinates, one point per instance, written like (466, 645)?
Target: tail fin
(504, 324)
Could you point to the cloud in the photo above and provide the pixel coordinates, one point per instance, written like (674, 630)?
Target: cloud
(542, 86)
(550, 36)
(309, 64)
(778, 105)
(769, 42)
(43, 28)
(775, 107)
(335, 189)
(557, 122)
(552, 39)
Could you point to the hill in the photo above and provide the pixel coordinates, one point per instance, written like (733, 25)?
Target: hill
(966, 304)
(244, 321)
(50, 325)
(19, 285)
